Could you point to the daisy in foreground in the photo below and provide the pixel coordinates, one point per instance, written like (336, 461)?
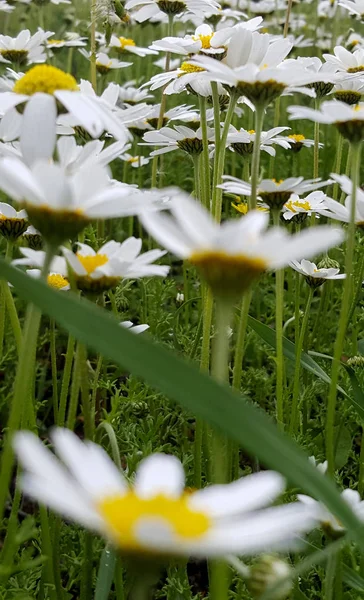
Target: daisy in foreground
(155, 515)
(232, 255)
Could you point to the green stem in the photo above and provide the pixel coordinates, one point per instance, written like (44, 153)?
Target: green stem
(93, 73)
(66, 381)
(343, 320)
(54, 368)
(197, 180)
(288, 14)
(216, 107)
(361, 465)
(205, 171)
(220, 161)
(75, 389)
(330, 577)
(316, 138)
(337, 167)
(47, 550)
(259, 118)
(240, 340)
(279, 336)
(297, 366)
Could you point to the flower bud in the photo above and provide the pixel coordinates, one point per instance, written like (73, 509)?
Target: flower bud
(266, 574)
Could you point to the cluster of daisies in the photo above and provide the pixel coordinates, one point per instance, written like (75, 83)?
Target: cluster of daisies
(205, 89)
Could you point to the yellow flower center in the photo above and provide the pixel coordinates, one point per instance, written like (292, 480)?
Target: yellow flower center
(125, 514)
(57, 281)
(205, 40)
(133, 159)
(45, 79)
(55, 41)
(355, 69)
(90, 263)
(251, 131)
(297, 137)
(241, 207)
(354, 42)
(126, 42)
(291, 205)
(277, 182)
(186, 67)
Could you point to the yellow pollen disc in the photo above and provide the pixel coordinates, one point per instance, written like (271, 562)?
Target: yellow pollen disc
(354, 42)
(57, 281)
(221, 258)
(133, 159)
(126, 42)
(45, 79)
(355, 69)
(277, 182)
(186, 67)
(90, 263)
(251, 131)
(291, 205)
(265, 66)
(242, 207)
(357, 107)
(205, 40)
(297, 137)
(124, 514)
(55, 41)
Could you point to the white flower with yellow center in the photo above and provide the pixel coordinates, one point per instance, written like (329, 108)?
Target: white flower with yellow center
(134, 161)
(155, 515)
(313, 272)
(123, 44)
(54, 280)
(151, 9)
(93, 113)
(328, 521)
(355, 7)
(188, 74)
(104, 64)
(345, 61)
(178, 138)
(103, 270)
(70, 42)
(242, 141)
(230, 256)
(349, 90)
(272, 192)
(12, 223)
(130, 95)
(297, 141)
(24, 48)
(299, 208)
(348, 119)
(72, 157)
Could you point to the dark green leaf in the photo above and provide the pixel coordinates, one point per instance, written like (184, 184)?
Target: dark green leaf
(106, 573)
(357, 399)
(224, 409)
(353, 579)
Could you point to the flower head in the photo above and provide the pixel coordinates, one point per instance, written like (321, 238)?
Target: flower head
(155, 515)
(315, 275)
(12, 223)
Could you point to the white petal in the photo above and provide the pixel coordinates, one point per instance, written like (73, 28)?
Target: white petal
(159, 474)
(38, 134)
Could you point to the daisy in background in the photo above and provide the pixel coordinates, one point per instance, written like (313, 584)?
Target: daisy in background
(150, 120)
(5, 7)
(355, 40)
(134, 161)
(328, 521)
(129, 95)
(348, 119)
(54, 280)
(274, 193)
(315, 275)
(12, 223)
(180, 137)
(128, 45)
(297, 141)
(72, 156)
(298, 209)
(105, 64)
(60, 204)
(25, 48)
(72, 42)
(134, 328)
(349, 90)
(355, 7)
(341, 212)
(149, 9)
(32, 238)
(155, 515)
(94, 114)
(232, 255)
(344, 61)
(242, 141)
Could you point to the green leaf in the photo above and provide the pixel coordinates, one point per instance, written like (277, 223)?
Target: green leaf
(353, 579)
(106, 573)
(357, 401)
(269, 336)
(343, 446)
(224, 409)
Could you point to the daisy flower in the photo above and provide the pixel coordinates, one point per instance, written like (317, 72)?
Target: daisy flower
(346, 62)
(5, 7)
(12, 223)
(324, 73)
(297, 209)
(232, 255)
(77, 42)
(147, 9)
(315, 275)
(33, 238)
(54, 280)
(297, 141)
(180, 137)
(242, 141)
(349, 90)
(328, 521)
(72, 156)
(60, 204)
(272, 192)
(24, 48)
(123, 44)
(254, 66)
(348, 119)
(320, 466)
(355, 7)
(187, 74)
(99, 271)
(134, 161)
(130, 95)
(155, 515)
(93, 113)
(134, 328)
(341, 212)
(105, 64)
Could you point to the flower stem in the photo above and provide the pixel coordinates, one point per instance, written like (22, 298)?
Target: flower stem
(66, 381)
(220, 161)
(279, 336)
(337, 166)
(343, 320)
(239, 348)
(316, 139)
(93, 73)
(54, 368)
(288, 14)
(205, 171)
(297, 366)
(259, 118)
